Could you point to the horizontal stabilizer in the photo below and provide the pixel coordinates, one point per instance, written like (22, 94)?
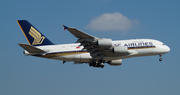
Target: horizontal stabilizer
(31, 49)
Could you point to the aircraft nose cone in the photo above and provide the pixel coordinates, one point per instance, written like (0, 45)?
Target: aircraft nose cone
(163, 49)
(166, 49)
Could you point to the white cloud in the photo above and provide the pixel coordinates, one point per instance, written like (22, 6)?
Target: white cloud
(112, 21)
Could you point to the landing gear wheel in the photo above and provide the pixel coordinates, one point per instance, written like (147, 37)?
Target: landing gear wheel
(92, 64)
(160, 59)
(102, 66)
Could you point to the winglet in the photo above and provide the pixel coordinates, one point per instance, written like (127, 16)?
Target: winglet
(65, 27)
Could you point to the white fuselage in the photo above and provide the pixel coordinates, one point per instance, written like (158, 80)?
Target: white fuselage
(75, 52)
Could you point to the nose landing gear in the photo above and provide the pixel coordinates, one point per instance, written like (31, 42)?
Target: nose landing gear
(160, 59)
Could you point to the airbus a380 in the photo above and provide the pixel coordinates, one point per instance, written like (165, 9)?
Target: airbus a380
(88, 49)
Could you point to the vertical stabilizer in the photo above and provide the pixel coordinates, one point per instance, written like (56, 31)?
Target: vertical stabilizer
(33, 36)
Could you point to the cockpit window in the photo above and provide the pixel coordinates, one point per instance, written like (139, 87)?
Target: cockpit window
(163, 44)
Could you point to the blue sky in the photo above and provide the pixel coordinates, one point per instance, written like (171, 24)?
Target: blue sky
(26, 75)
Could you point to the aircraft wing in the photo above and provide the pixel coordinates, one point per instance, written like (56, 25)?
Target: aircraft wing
(97, 47)
(79, 34)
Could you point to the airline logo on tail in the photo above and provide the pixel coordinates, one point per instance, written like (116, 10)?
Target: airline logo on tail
(38, 39)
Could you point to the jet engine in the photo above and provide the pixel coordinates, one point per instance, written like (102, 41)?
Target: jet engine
(120, 49)
(115, 62)
(104, 43)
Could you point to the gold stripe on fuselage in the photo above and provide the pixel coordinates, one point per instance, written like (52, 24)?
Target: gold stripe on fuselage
(79, 52)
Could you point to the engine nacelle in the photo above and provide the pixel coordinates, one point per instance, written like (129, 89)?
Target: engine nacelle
(120, 49)
(115, 62)
(104, 43)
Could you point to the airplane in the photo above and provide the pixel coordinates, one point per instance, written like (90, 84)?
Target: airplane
(88, 49)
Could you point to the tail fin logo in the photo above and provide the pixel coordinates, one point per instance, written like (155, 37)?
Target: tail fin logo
(38, 39)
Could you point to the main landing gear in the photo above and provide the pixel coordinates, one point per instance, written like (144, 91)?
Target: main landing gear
(97, 64)
(160, 59)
